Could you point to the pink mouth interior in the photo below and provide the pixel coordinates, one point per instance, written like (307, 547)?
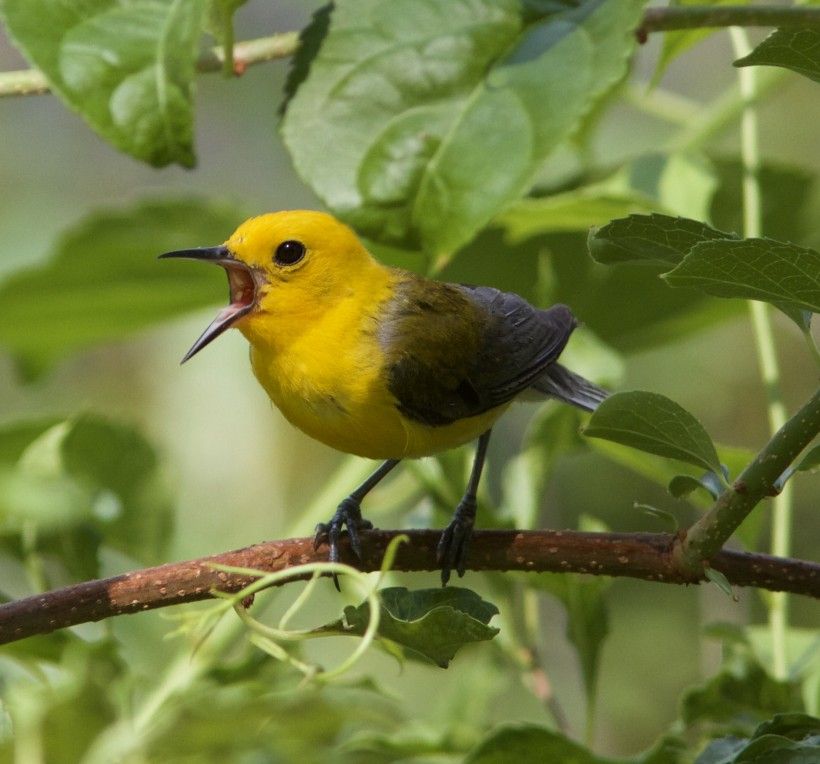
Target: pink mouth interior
(243, 290)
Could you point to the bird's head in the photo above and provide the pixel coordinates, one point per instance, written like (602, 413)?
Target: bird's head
(292, 263)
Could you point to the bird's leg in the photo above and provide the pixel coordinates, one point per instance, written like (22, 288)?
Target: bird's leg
(349, 514)
(455, 541)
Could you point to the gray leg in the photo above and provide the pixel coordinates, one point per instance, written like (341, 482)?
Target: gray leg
(455, 540)
(349, 514)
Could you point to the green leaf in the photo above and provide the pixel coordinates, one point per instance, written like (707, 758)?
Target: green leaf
(584, 599)
(529, 744)
(720, 580)
(754, 269)
(653, 423)
(795, 48)
(657, 238)
(104, 283)
(409, 88)
(126, 68)
(430, 624)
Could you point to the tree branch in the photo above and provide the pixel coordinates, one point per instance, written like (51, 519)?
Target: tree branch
(649, 556)
(285, 44)
(712, 531)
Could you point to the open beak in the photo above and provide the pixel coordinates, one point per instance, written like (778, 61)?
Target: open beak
(242, 287)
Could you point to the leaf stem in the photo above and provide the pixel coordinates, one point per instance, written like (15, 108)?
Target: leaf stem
(782, 508)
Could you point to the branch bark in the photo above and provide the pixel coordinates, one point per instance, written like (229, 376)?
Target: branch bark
(648, 556)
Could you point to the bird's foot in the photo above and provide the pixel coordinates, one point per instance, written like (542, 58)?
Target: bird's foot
(455, 540)
(349, 515)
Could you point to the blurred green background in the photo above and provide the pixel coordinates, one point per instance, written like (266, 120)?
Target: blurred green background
(241, 474)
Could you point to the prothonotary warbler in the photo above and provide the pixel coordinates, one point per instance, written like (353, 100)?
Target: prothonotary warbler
(380, 362)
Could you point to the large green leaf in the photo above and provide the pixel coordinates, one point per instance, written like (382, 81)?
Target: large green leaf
(104, 283)
(654, 423)
(428, 623)
(755, 269)
(126, 67)
(446, 109)
(795, 48)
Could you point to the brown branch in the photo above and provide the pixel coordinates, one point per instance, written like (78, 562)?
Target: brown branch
(639, 555)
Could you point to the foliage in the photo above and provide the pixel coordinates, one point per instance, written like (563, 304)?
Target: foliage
(462, 139)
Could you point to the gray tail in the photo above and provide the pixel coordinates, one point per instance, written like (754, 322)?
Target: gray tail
(559, 382)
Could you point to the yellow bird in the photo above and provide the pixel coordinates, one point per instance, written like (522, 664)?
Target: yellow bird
(381, 362)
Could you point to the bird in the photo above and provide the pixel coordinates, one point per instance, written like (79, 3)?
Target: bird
(381, 362)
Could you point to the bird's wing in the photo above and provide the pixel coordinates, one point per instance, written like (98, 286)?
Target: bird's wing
(519, 341)
(456, 351)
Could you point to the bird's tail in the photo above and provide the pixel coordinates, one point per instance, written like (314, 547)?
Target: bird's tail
(559, 382)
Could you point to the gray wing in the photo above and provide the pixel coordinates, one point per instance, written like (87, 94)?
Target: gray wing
(482, 347)
(519, 342)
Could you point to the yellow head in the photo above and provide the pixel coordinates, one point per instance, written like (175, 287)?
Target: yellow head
(291, 263)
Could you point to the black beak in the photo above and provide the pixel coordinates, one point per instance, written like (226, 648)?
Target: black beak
(242, 290)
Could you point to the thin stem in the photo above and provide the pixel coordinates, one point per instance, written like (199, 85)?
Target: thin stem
(245, 54)
(782, 508)
(705, 16)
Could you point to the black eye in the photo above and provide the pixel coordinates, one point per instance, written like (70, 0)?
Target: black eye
(289, 252)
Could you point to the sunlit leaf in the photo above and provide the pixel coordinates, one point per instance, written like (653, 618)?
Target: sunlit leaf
(428, 623)
(795, 48)
(409, 88)
(654, 423)
(104, 283)
(126, 68)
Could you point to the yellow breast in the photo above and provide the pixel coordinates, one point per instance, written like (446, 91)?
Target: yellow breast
(326, 374)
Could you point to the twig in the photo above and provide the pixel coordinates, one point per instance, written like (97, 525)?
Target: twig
(648, 556)
(245, 54)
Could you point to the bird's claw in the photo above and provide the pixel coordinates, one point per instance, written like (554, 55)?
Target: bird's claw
(455, 540)
(348, 515)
